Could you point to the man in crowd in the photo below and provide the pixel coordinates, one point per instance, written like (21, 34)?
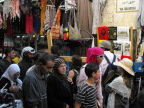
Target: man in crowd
(5, 62)
(34, 83)
(26, 60)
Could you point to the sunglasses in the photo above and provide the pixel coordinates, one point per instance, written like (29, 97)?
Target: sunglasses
(100, 56)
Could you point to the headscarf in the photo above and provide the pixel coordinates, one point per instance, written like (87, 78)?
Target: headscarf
(58, 62)
(92, 53)
(9, 73)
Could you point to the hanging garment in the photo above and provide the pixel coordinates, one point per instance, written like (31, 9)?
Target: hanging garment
(140, 20)
(96, 15)
(1, 21)
(15, 8)
(85, 17)
(36, 16)
(6, 9)
(29, 23)
(43, 9)
(9, 27)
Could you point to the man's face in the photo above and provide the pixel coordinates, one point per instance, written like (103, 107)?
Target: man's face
(30, 55)
(12, 54)
(48, 67)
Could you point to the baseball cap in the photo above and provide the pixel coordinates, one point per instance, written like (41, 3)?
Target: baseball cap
(105, 44)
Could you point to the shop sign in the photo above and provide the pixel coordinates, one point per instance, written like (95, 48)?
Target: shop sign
(127, 5)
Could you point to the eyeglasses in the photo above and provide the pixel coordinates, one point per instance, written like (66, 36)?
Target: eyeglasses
(63, 66)
(100, 56)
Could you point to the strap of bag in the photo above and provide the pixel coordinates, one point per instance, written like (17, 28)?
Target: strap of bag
(74, 16)
(57, 18)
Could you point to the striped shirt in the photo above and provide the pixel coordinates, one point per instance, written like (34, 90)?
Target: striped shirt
(87, 95)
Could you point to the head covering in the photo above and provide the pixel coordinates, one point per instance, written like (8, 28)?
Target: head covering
(27, 49)
(105, 44)
(126, 64)
(92, 53)
(58, 62)
(9, 73)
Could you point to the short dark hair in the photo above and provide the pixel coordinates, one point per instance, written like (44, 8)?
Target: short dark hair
(44, 57)
(55, 49)
(90, 68)
(8, 50)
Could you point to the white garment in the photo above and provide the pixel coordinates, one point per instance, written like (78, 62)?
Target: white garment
(9, 74)
(140, 19)
(118, 86)
(104, 63)
(96, 15)
(6, 9)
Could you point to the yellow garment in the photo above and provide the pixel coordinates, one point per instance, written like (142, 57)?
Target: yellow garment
(43, 9)
(16, 59)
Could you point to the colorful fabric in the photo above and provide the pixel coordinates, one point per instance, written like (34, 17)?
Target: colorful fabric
(103, 33)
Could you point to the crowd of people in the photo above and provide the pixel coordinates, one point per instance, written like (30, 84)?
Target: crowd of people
(40, 79)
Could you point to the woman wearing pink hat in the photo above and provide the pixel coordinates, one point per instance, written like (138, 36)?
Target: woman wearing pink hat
(120, 88)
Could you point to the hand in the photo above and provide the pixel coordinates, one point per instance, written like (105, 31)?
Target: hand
(14, 88)
(67, 106)
(70, 80)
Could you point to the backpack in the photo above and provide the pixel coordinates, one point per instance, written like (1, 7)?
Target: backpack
(111, 72)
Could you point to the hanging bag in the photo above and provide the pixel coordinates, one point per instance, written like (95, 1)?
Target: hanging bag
(74, 33)
(55, 29)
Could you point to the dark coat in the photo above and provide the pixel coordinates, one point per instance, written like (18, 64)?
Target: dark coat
(58, 92)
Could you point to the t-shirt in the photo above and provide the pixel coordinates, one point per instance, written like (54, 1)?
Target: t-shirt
(87, 95)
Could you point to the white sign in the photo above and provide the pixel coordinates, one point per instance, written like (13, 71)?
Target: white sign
(127, 5)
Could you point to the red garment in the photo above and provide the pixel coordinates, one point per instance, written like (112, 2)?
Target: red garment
(103, 33)
(29, 23)
(9, 27)
(92, 53)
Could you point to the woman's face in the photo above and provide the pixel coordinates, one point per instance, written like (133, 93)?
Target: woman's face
(120, 70)
(62, 68)
(16, 75)
(99, 58)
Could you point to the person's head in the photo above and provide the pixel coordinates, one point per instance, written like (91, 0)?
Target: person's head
(12, 72)
(55, 50)
(125, 68)
(27, 52)
(46, 62)
(60, 66)
(76, 62)
(92, 70)
(95, 55)
(106, 45)
(10, 52)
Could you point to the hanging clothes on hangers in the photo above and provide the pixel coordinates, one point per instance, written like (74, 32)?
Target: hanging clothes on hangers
(49, 17)
(6, 9)
(15, 8)
(42, 14)
(85, 17)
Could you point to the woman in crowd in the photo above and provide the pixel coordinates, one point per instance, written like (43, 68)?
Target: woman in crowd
(10, 79)
(120, 88)
(95, 55)
(58, 89)
(76, 64)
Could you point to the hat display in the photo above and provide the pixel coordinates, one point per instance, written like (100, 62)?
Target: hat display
(105, 44)
(126, 64)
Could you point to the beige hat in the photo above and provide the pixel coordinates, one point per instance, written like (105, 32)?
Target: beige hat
(105, 44)
(126, 64)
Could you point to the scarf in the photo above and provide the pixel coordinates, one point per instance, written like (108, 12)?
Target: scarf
(92, 53)
(118, 86)
(9, 74)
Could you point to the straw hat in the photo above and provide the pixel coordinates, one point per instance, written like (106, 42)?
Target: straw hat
(126, 64)
(105, 44)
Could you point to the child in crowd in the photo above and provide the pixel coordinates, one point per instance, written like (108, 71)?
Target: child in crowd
(87, 92)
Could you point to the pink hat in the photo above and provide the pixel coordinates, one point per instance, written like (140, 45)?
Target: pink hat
(92, 53)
